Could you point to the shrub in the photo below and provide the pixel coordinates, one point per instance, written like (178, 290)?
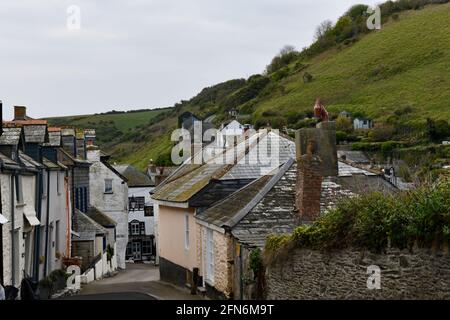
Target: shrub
(372, 221)
(307, 77)
(381, 133)
(344, 124)
(388, 147)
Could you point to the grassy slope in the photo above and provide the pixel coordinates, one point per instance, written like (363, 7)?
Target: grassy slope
(413, 55)
(407, 63)
(122, 121)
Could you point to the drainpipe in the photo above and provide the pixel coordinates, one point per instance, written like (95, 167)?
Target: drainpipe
(37, 233)
(47, 224)
(13, 247)
(69, 221)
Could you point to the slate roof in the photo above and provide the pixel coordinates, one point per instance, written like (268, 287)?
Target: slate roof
(135, 177)
(10, 136)
(267, 206)
(35, 133)
(87, 228)
(101, 218)
(54, 139)
(29, 162)
(189, 179)
(49, 164)
(353, 156)
(8, 162)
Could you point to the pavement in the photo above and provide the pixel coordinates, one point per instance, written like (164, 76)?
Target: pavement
(136, 282)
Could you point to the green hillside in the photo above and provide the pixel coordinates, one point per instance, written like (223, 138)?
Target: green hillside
(398, 75)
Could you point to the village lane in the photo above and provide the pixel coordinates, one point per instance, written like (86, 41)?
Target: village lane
(137, 282)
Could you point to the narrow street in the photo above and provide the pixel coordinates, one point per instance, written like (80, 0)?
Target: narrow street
(137, 282)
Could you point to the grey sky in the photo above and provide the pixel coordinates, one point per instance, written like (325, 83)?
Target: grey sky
(142, 53)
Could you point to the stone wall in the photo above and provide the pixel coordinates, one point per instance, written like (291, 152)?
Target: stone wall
(223, 279)
(307, 274)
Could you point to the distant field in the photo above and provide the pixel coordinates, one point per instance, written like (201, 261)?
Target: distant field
(122, 121)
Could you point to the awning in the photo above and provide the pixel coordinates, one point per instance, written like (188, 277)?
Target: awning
(30, 214)
(3, 220)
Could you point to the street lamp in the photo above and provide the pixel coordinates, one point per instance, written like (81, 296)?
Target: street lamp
(133, 203)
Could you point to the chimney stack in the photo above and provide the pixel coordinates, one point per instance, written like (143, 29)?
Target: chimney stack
(309, 185)
(316, 159)
(20, 113)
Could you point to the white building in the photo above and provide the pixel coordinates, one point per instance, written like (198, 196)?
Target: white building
(109, 194)
(362, 123)
(141, 220)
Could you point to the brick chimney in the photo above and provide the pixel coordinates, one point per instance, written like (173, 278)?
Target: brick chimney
(309, 185)
(316, 159)
(20, 113)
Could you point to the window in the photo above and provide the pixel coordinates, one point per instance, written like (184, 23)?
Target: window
(81, 199)
(142, 228)
(108, 186)
(148, 212)
(209, 252)
(57, 231)
(186, 231)
(19, 190)
(129, 250)
(138, 202)
(135, 229)
(58, 184)
(146, 247)
(44, 184)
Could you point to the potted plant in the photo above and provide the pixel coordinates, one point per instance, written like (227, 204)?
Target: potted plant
(45, 288)
(58, 278)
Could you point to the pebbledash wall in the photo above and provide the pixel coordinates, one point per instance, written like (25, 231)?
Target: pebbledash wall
(308, 274)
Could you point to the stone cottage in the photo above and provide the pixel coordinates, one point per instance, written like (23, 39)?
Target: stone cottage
(184, 242)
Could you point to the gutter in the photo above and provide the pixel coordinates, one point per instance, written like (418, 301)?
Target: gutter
(47, 223)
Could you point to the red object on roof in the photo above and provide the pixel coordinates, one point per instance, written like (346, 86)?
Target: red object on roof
(319, 111)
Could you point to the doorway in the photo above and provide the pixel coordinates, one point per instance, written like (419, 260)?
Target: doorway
(136, 250)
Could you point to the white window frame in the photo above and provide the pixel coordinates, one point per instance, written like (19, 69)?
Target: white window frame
(187, 231)
(137, 226)
(209, 255)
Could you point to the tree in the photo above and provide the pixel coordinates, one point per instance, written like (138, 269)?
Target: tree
(323, 29)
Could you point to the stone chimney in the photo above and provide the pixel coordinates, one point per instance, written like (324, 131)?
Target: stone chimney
(20, 113)
(316, 159)
(324, 136)
(309, 185)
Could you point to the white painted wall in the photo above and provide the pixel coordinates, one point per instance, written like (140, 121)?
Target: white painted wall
(57, 239)
(115, 204)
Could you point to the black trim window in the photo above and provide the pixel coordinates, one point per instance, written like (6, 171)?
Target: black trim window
(139, 203)
(148, 211)
(147, 247)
